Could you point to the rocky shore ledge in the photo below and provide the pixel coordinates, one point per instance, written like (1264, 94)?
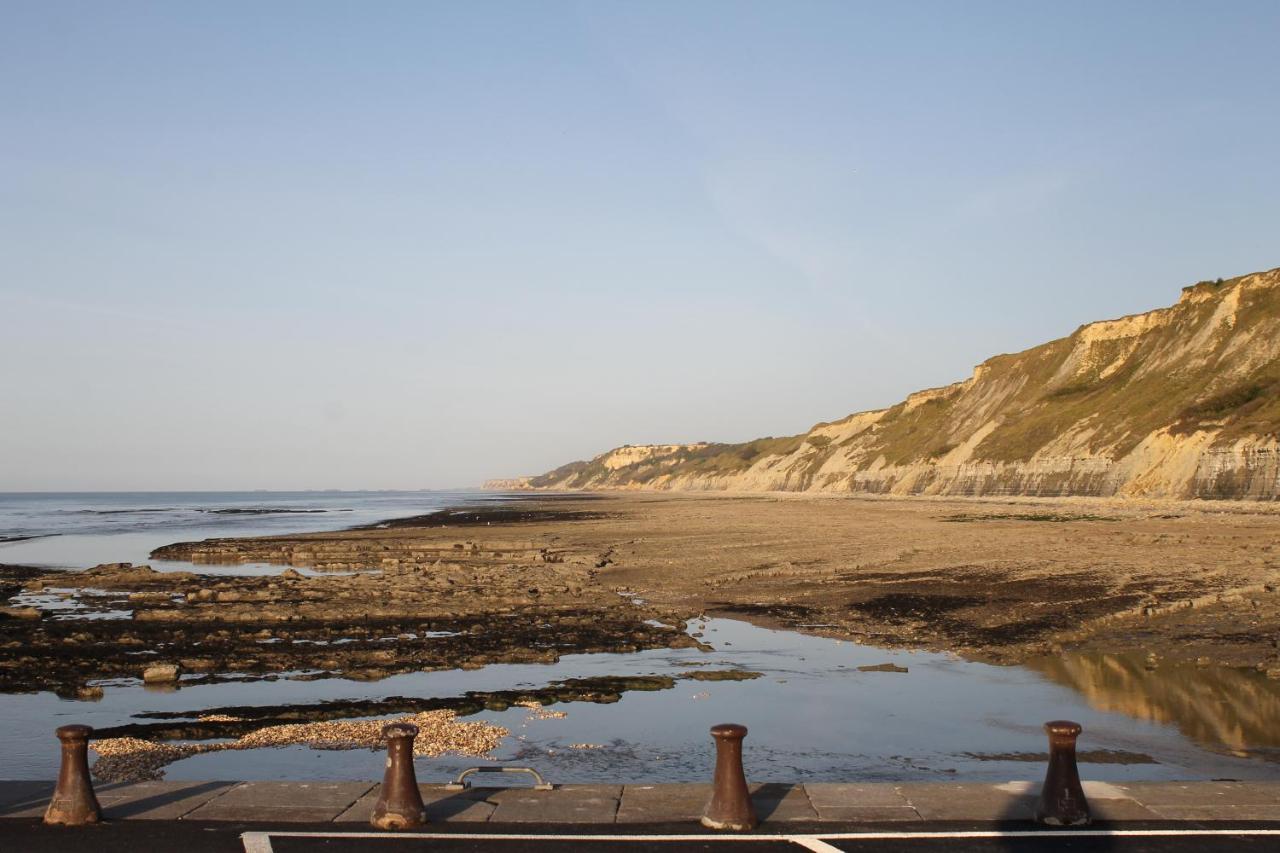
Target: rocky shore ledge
(1001, 581)
(997, 580)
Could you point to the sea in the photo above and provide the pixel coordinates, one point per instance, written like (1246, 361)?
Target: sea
(78, 530)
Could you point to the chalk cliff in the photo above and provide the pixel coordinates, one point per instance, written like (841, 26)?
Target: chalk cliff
(1179, 402)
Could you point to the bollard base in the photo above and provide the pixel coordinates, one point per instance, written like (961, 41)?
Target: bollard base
(398, 822)
(711, 823)
(71, 815)
(1055, 820)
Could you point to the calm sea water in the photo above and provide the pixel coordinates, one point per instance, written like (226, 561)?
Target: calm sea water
(83, 529)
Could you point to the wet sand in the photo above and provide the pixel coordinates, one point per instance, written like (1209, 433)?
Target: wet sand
(996, 580)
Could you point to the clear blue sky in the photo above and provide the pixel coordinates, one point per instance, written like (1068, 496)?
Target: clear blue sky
(311, 245)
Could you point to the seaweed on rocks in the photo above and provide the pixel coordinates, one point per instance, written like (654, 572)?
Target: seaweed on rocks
(236, 721)
(64, 656)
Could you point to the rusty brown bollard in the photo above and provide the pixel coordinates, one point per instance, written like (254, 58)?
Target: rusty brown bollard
(399, 803)
(73, 802)
(730, 806)
(1062, 801)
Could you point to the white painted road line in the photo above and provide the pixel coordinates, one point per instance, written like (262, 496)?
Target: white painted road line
(260, 842)
(256, 842)
(814, 844)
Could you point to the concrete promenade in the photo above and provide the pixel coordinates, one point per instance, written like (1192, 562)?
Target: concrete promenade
(256, 817)
(348, 804)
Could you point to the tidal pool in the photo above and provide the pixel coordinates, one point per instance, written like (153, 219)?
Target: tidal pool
(812, 715)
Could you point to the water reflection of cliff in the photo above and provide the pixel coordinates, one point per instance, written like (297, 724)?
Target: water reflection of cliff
(1235, 709)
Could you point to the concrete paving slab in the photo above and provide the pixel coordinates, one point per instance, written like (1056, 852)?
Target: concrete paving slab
(947, 801)
(24, 792)
(262, 814)
(292, 802)
(565, 804)
(25, 809)
(1092, 790)
(24, 799)
(296, 794)
(1199, 794)
(844, 795)
(663, 803)
(776, 802)
(869, 814)
(1113, 810)
(157, 800)
(442, 805)
(1221, 811)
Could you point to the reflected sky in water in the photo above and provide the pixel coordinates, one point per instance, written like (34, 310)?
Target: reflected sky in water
(812, 716)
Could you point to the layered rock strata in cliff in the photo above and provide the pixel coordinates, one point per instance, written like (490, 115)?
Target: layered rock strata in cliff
(1181, 402)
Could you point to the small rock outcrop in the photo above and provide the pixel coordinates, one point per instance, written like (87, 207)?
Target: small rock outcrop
(161, 673)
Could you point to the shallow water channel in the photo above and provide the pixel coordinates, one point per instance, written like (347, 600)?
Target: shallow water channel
(812, 715)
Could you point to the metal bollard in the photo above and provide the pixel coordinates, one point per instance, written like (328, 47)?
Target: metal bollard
(73, 802)
(399, 803)
(730, 806)
(1062, 801)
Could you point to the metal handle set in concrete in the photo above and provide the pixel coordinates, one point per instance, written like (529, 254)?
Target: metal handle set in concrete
(461, 783)
(399, 806)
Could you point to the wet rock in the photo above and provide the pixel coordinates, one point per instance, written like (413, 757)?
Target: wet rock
(721, 675)
(115, 568)
(882, 667)
(166, 614)
(148, 596)
(161, 673)
(20, 613)
(199, 664)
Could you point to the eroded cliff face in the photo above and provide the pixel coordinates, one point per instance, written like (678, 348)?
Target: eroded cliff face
(1179, 402)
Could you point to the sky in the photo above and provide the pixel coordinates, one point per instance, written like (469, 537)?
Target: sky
(294, 245)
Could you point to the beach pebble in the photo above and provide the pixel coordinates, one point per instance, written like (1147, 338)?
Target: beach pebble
(128, 759)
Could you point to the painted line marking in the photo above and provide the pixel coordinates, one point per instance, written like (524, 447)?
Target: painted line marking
(260, 842)
(814, 844)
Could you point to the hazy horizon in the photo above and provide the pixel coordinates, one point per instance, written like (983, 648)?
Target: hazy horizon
(299, 246)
